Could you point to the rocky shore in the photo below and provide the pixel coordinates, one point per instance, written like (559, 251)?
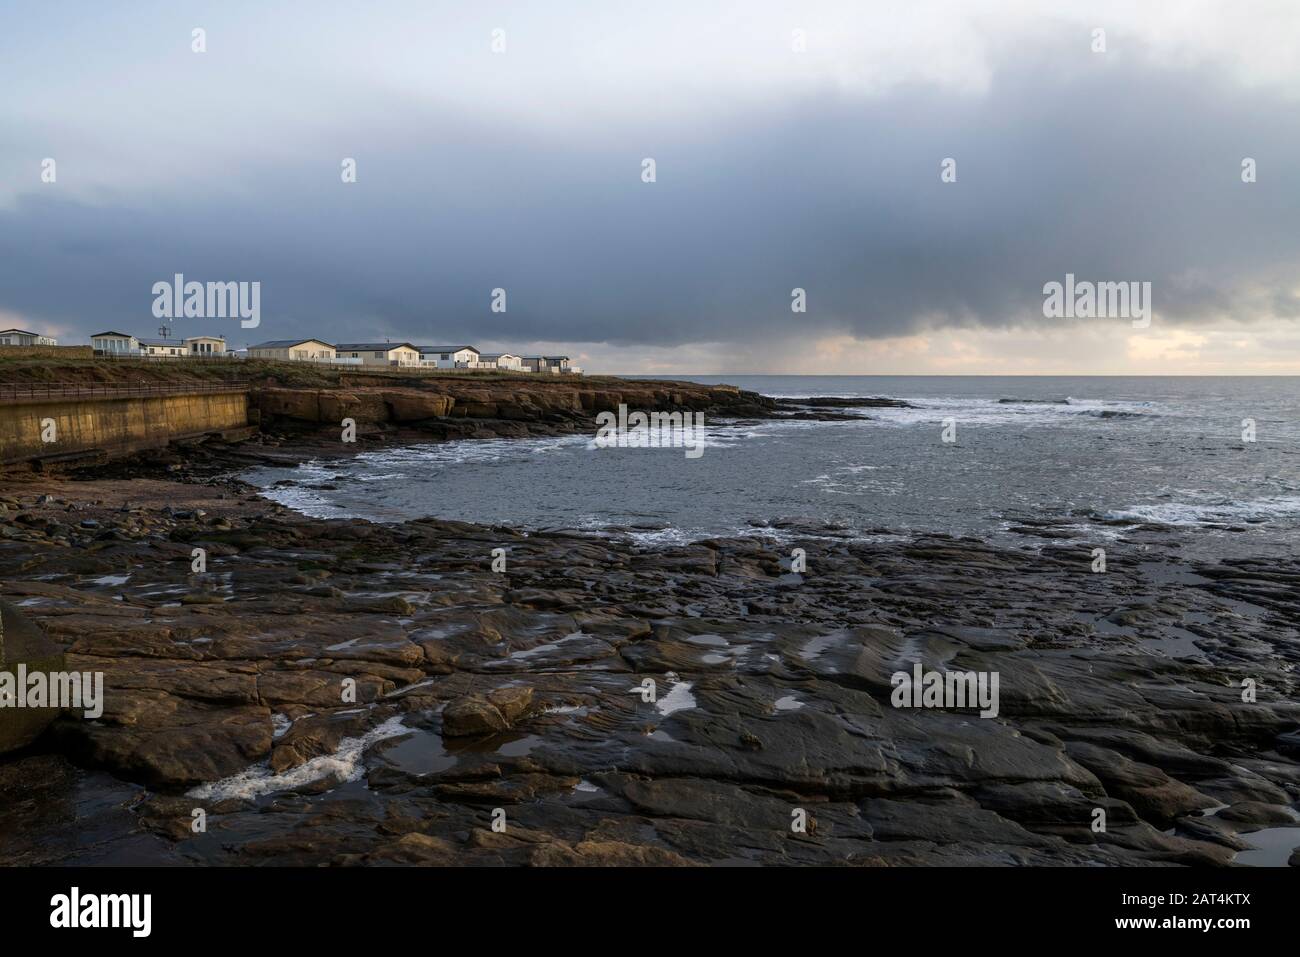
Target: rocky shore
(404, 410)
(339, 692)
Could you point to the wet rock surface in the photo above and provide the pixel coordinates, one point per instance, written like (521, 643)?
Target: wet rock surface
(337, 692)
(24, 648)
(823, 408)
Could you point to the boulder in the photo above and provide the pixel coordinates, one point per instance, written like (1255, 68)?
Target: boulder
(165, 741)
(512, 702)
(472, 715)
(22, 643)
(478, 715)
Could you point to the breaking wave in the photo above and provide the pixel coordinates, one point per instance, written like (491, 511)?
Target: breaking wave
(1225, 511)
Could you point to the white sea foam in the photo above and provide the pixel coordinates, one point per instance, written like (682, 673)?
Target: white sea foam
(983, 411)
(1205, 513)
(390, 465)
(666, 536)
(306, 502)
(344, 765)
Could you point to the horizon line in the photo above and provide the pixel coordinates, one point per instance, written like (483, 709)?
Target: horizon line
(970, 375)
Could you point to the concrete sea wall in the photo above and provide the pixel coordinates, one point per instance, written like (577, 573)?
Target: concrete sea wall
(81, 423)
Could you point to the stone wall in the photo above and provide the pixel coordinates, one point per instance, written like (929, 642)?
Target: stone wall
(47, 352)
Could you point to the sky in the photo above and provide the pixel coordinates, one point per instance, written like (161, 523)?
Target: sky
(795, 146)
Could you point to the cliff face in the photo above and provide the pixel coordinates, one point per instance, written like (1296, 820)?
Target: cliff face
(447, 403)
(310, 402)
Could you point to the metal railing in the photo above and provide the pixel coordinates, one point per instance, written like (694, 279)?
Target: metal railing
(115, 390)
(146, 357)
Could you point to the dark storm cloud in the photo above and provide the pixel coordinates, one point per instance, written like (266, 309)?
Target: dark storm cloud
(1111, 169)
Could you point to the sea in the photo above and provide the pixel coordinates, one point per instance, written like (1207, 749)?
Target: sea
(1213, 463)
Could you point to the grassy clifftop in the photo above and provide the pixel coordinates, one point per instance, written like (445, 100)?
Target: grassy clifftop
(63, 371)
(22, 370)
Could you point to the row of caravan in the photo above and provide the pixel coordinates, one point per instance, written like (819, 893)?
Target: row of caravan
(405, 354)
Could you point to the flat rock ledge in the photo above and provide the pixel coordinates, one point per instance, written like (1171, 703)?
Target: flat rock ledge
(337, 692)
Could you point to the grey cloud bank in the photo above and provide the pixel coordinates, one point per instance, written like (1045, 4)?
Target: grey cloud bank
(1108, 167)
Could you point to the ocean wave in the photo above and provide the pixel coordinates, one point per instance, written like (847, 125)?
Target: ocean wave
(985, 412)
(665, 536)
(673, 536)
(307, 502)
(1224, 511)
